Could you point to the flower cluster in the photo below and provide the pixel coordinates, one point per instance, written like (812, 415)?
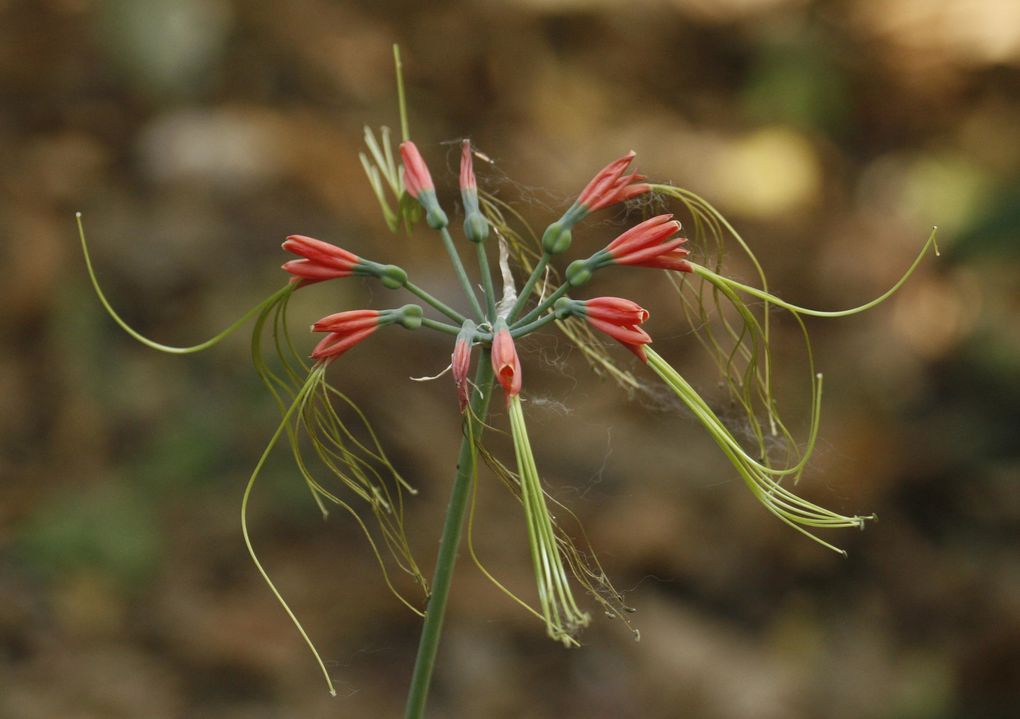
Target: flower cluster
(492, 325)
(496, 324)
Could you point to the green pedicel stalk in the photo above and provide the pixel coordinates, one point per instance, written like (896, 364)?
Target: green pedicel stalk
(487, 286)
(529, 285)
(458, 268)
(545, 305)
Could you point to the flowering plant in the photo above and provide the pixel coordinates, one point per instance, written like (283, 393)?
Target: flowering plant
(328, 434)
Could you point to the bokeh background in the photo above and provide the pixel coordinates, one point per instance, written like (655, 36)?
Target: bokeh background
(196, 134)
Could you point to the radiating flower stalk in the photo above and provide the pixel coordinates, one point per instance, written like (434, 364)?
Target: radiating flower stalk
(341, 460)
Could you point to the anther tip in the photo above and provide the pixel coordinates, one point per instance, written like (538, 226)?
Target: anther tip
(78, 214)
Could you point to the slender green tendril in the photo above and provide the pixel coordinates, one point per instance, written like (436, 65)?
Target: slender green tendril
(298, 402)
(169, 349)
(772, 299)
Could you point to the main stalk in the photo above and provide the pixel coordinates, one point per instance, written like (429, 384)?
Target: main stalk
(452, 528)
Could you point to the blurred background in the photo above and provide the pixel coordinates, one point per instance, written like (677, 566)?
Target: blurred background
(194, 135)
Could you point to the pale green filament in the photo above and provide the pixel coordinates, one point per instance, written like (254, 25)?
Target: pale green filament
(169, 349)
(772, 299)
(405, 133)
(790, 508)
(380, 164)
(743, 350)
(710, 230)
(583, 564)
(353, 461)
(561, 613)
(469, 428)
(383, 167)
(299, 400)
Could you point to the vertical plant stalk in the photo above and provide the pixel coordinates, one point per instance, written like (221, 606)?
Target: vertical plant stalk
(452, 528)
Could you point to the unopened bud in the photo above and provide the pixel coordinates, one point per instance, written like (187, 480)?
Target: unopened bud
(476, 227)
(556, 238)
(564, 308)
(434, 215)
(409, 316)
(578, 272)
(392, 277)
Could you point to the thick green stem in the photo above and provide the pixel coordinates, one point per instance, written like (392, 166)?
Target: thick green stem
(458, 267)
(447, 558)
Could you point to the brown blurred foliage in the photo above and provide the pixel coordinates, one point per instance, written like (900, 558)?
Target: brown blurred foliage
(195, 134)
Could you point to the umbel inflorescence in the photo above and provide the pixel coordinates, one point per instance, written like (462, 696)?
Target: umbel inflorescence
(340, 457)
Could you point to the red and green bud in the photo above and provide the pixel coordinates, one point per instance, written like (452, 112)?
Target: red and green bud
(323, 261)
(505, 362)
(460, 362)
(610, 185)
(419, 185)
(416, 173)
(649, 244)
(476, 227)
(615, 316)
(346, 329)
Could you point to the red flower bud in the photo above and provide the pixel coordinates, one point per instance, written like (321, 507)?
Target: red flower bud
(610, 185)
(467, 170)
(416, 172)
(648, 244)
(505, 363)
(619, 318)
(461, 363)
(322, 261)
(345, 329)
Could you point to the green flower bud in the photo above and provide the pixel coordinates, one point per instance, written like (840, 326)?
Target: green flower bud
(409, 316)
(392, 277)
(556, 238)
(436, 218)
(578, 272)
(564, 308)
(476, 227)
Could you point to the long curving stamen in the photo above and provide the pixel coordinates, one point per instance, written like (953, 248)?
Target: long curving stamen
(562, 615)
(789, 507)
(772, 299)
(298, 402)
(152, 344)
